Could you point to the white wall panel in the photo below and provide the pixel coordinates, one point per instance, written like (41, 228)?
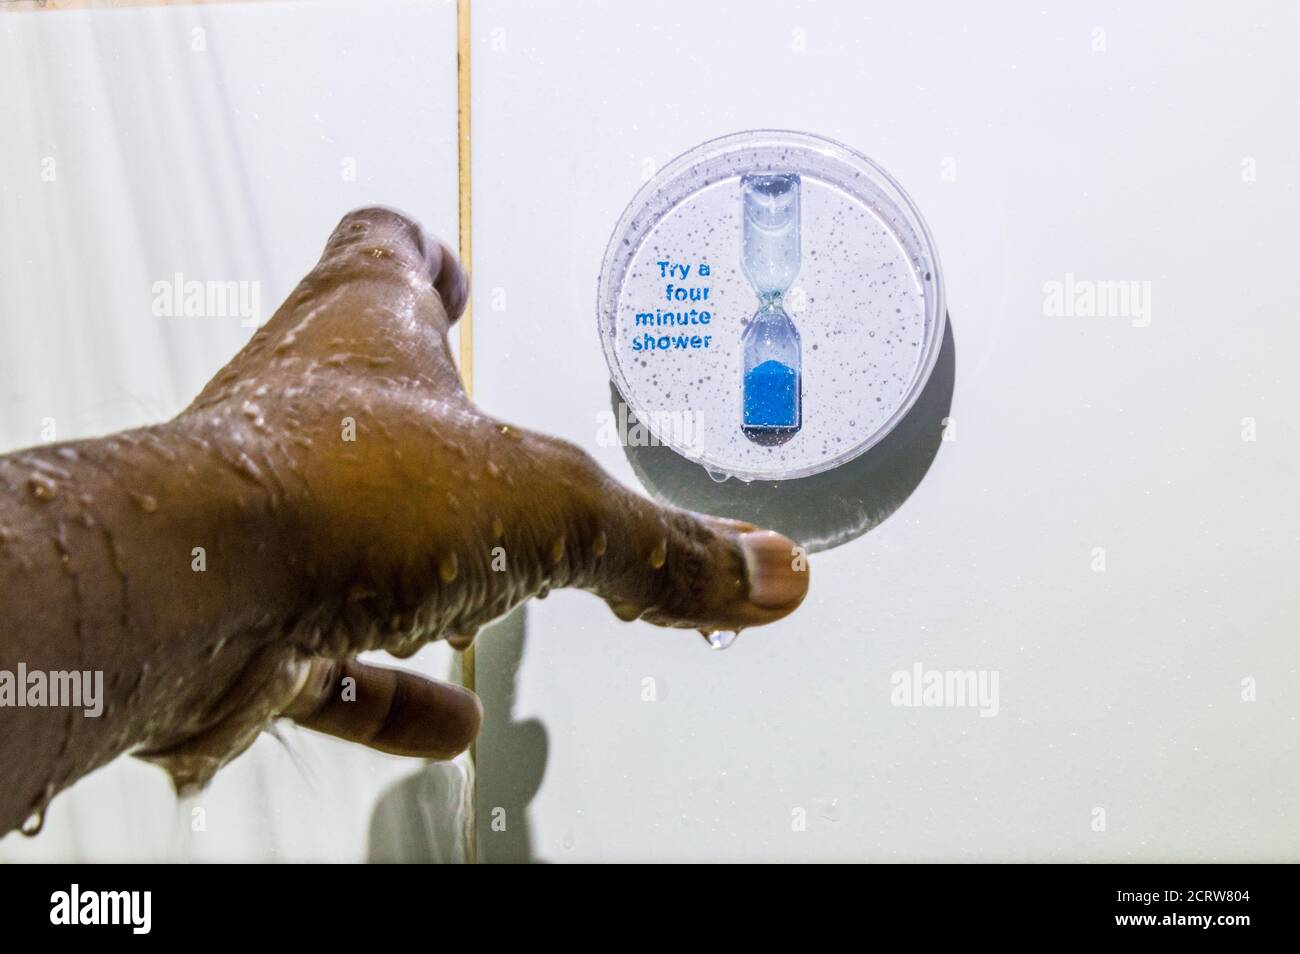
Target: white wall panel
(1036, 147)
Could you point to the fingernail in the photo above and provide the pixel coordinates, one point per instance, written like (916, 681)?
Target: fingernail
(777, 569)
(451, 282)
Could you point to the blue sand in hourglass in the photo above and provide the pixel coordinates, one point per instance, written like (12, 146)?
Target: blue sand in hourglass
(771, 404)
(771, 399)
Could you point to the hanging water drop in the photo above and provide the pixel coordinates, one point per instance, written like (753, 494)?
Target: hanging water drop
(721, 639)
(42, 487)
(34, 823)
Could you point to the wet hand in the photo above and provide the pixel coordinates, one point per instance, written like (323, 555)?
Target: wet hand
(439, 518)
(390, 511)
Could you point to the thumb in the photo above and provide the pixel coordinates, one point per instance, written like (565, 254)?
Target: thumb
(667, 566)
(677, 568)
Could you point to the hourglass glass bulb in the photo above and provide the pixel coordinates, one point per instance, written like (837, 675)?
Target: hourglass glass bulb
(770, 232)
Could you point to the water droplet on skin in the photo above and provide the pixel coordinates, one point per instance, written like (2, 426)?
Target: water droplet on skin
(252, 412)
(462, 641)
(146, 502)
(659, 555)
(448, 567)
(34, 823)
(600, 544)
(498, 528)
(626, 611)
(557, 550)
(42, 487)
(510, 433)
(358, 592)
(720, 640)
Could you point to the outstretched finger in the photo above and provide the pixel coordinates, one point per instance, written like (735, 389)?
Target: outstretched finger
(391, 710)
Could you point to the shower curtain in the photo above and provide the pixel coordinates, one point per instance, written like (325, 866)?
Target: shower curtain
(148, 148)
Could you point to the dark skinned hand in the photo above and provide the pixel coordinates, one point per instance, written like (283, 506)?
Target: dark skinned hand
(345, 495)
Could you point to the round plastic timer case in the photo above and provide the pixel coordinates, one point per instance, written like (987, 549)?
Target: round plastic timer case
(770, 305)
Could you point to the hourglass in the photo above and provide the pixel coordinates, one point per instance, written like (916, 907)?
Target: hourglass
(761, 389)
(771, 407)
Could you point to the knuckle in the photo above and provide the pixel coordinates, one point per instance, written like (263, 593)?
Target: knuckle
(700, 567)
(366, 218)
(377, 235)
